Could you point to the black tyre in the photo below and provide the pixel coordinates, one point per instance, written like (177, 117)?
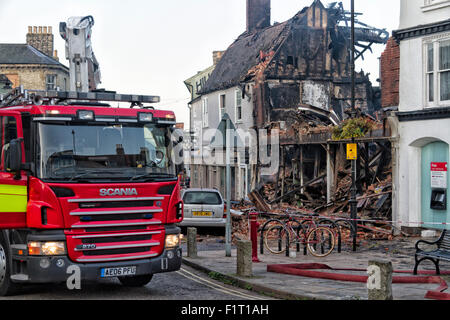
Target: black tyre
(321, 242)
(275, 238)
(7, 287)
(136, 281)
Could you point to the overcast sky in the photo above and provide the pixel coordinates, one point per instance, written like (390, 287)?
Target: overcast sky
(152, 46)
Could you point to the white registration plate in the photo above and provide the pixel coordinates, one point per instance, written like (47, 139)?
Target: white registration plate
(118, 272)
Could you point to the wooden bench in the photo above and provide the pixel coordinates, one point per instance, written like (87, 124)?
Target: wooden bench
(441, 253)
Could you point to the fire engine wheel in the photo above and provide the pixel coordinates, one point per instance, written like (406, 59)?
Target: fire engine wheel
(6, 286)
(136, 281)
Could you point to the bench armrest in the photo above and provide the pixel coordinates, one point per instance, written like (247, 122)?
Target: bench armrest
(426, 242)
(437, 242)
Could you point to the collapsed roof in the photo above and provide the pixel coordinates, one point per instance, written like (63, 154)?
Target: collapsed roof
(251, 48)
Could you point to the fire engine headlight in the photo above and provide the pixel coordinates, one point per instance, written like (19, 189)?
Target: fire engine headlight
(51, 248)
(172, 241)
(86, 115)
(145, 117)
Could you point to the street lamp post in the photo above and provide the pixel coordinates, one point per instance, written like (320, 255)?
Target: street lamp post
(228, 188)
(353, 202)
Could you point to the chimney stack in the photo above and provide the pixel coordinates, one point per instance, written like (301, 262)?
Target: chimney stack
(41, 38)
(258, 15)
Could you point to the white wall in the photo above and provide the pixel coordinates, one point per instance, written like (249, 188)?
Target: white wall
(412, 137)
(214, 118)
(419, 12)
(413, 61)
(202, 156)
(411, 75)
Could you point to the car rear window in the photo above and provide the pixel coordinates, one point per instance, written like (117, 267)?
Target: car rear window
(200, 197)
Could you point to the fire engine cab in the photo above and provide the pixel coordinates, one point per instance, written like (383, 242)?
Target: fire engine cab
(88, 185)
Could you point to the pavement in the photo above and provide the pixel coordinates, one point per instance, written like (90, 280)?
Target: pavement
(213, 261)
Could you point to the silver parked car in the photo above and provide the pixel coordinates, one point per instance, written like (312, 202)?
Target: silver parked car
(203, 208)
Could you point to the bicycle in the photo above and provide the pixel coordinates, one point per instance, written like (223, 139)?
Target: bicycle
(319, 239)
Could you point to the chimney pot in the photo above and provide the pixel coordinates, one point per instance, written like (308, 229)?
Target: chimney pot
(41, 38)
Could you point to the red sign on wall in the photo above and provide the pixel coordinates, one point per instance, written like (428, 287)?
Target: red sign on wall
(439, 175)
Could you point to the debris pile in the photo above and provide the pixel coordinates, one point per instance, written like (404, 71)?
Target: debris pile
(288, 194)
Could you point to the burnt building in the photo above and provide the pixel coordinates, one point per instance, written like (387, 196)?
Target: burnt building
(284, 76)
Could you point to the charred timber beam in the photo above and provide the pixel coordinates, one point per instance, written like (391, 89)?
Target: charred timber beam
(325, 138)
(258, 201)
(311, 182)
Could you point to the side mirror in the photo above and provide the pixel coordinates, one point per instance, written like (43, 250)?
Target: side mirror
(13, 158)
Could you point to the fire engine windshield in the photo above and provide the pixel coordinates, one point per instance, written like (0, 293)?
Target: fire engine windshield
(129, 152)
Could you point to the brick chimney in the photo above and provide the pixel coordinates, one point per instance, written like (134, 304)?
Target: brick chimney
(258, 14)
(42, 39)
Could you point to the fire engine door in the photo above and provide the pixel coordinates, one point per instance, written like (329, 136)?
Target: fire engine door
(13, 187)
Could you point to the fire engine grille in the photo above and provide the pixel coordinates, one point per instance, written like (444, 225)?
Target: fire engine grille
(117, 239)
(115, 246)
(116, 251)
(120, 228)
(116, 229)
(116, 204)
(115, 217)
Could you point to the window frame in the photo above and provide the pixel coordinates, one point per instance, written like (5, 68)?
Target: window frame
(47, 82)
(19, 133)
(429, 5)
(222, 105)
(238, 107)
(205, 120)
(436, 72)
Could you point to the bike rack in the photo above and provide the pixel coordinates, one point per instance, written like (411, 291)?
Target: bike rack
(261, 230)
(334, 225)
(350, 226)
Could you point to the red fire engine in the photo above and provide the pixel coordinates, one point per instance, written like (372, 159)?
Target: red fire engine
(88, 185)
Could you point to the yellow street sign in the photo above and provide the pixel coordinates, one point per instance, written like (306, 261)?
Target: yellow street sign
(352, 151)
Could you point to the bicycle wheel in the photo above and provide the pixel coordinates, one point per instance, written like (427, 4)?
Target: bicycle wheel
(320, 242)
(275, 238)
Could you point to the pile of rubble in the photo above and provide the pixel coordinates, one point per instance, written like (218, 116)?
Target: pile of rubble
(374, 205)
(301, 184)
